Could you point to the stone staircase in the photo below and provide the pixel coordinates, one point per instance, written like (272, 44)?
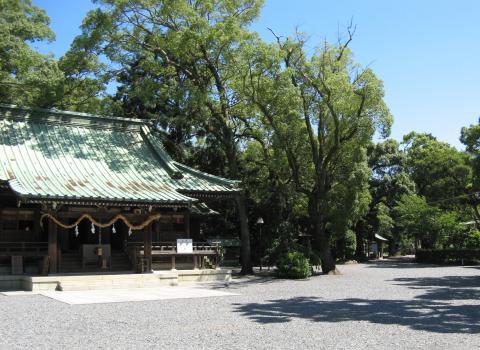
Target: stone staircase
(120, 262)
(71, 262)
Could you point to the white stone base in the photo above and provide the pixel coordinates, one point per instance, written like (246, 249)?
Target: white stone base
(191, 276)
(80, 282)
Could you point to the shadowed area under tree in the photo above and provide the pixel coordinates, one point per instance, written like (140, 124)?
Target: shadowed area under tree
(425, 315)
(433, 309)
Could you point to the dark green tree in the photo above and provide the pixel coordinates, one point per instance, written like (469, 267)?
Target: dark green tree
(388, 183)
(322, 113)
(27, 77)
(470, 137)
(440, 171)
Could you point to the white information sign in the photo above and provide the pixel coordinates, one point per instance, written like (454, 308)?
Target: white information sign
(184, 245)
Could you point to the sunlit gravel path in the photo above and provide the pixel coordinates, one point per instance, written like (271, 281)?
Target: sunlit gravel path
(384, 305)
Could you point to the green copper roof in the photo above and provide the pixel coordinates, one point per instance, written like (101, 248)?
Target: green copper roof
(56, 155)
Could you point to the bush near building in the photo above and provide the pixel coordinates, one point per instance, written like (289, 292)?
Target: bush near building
(294, 265)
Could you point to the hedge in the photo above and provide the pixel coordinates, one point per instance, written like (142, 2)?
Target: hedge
(294, 265)
(448, 256)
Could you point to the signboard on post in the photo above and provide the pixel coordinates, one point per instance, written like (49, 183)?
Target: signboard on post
(184, 245)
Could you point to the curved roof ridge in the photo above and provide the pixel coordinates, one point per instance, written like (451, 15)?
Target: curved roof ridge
(206, 176)
(160, 151)
(40, 113)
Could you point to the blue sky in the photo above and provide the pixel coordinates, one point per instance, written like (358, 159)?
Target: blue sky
(427, 52)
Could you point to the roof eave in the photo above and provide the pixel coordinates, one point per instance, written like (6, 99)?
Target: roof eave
(104, 201)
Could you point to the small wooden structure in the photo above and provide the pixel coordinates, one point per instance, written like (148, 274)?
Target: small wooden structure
(376, 246)
(82, 193)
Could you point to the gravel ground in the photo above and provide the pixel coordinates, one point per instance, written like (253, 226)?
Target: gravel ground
(390, 304)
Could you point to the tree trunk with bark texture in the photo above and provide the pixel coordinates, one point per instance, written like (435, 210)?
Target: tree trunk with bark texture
(245, 250)
(360, 238)
(245, 256)
(322, 240)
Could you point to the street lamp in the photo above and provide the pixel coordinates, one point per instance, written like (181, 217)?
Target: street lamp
(260, 222)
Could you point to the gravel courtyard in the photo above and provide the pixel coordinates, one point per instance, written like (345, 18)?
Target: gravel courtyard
(389, 304)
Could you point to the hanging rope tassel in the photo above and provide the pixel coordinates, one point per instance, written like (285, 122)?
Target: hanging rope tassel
(76, 231)
(129, 232)
(93, 228)
(113, 229)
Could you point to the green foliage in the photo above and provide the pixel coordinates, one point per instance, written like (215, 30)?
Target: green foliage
(438, 169)
(26, 76)
(285, 241)
(314, 258)
(296, 128)
(416, 220)
(428, 224)
(350, 244)
(448, 256)
(472, 241)
(294, 265)
(320, 113)
(470, 137)
(385, 222)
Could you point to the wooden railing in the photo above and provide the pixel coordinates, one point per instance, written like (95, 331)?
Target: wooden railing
(171, 247)
(23, 248)
(136, 253)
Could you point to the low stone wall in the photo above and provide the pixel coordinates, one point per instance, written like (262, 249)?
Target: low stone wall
(191, 276)
(111, 281)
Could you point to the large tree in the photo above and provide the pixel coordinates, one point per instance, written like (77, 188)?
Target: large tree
(441, 172)
(193, 45)
(470, 137)
(27, 77)
(322, 111)
(388, 183)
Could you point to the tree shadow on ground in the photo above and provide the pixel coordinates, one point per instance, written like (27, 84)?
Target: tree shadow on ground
(407, 263)
(435, 310)
(430, 316)
(444, 288)
(395, 263)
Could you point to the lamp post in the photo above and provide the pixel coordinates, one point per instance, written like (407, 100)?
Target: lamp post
(260, 222)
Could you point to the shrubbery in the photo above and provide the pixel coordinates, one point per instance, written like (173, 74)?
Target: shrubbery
(472, 241)
(294, 265)
(448, 256)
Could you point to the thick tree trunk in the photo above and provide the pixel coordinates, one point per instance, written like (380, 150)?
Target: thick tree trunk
(322, 241)
(245, 256)
(323, 247)
(360, 238)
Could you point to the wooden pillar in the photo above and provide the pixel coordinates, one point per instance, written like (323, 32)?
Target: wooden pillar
(186, 222)
(147, 244)
(157, 231)
(36, 224)
(64, 238)
(52, 246)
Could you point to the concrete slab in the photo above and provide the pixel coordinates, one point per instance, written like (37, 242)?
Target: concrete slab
(16, 293)
(129, 295)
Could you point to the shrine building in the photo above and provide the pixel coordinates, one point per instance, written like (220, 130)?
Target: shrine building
(84, 194)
